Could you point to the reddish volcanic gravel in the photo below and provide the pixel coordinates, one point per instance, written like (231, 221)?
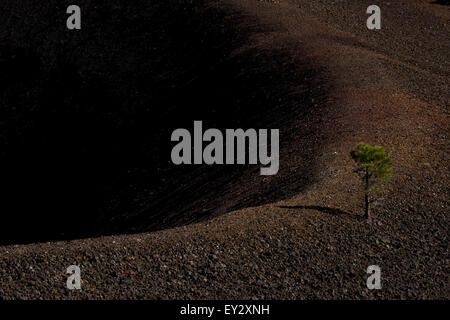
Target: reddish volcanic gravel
(386, 87)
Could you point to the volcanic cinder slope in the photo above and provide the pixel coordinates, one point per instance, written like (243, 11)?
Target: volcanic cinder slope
(314, 70)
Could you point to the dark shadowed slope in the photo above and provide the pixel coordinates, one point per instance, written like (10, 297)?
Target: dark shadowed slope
(87, 115)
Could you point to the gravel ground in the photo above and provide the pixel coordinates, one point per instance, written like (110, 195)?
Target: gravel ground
(388, 87)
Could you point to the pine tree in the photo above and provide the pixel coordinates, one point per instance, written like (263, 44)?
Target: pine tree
(375, 168)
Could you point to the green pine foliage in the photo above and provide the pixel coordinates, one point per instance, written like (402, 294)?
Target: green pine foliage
(375, 167)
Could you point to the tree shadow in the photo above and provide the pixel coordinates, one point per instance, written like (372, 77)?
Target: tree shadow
(332, 211)
(442, 2)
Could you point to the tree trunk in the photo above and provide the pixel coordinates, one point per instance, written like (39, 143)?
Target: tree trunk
(367, 213)
(366, 196)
